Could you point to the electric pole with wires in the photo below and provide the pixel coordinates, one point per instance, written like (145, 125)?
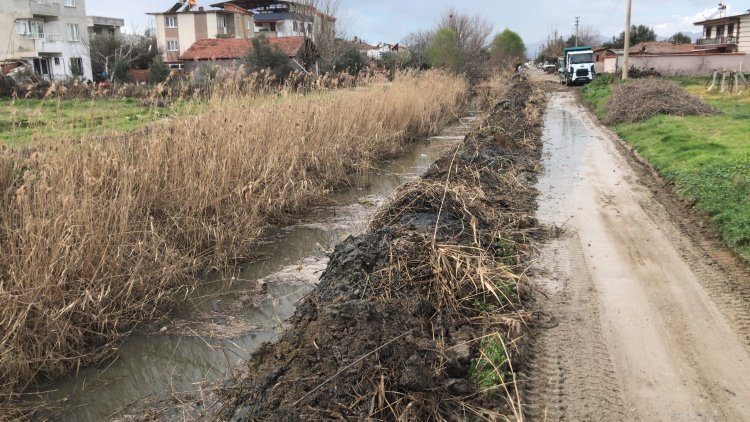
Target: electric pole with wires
(578, 22)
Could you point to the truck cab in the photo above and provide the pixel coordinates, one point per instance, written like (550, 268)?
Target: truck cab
(578, 66)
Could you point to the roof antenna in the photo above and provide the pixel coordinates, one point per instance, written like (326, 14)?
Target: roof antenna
(722, 10)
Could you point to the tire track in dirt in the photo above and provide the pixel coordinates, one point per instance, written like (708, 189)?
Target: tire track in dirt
(646, 322)
(573, 376)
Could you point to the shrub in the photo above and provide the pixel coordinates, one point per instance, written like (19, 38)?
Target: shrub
(158, 71)
(265, 56)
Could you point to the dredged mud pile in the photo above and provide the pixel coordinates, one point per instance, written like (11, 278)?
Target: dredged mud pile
(422, 315)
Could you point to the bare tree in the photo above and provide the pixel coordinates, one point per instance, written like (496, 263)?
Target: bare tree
(588, 35)
(113, 55)
(473, 34)
(329, 28)
(417, 43)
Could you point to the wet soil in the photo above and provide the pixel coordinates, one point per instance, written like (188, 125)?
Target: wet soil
(646, 318)
(168, 368)
(391, 330)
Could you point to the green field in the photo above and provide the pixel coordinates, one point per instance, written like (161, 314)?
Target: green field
(26, 121)
(708, 157)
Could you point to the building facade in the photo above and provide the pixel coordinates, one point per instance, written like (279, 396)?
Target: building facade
(729, 34)
(51, 35)
(177, 31)
(100, 25)
(278, 18)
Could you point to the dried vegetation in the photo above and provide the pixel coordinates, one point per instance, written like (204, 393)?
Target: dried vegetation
(99, 234)
(643, 98)
(422, 316)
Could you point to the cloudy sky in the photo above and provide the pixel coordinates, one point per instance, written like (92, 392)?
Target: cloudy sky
(390, 20)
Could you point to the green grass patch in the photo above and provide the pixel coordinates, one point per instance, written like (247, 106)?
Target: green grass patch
(707, 157)
(26, 121)
(489, 369)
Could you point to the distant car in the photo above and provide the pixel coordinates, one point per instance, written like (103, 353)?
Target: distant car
(549, 68)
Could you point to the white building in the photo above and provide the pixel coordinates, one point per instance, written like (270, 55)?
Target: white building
(102, 25)
(51, 35)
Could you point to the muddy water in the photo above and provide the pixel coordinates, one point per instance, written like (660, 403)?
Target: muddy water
(228, 317)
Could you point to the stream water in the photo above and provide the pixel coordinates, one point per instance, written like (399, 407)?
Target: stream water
(228, 317)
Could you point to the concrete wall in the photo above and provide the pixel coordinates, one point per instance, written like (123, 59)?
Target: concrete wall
(684, 65)
(744, 34)
(55, 45)
(186, 30)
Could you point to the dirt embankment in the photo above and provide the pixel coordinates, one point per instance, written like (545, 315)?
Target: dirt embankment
(421, 316)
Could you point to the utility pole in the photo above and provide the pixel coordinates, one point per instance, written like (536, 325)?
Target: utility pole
(626, 54)
(578, 21)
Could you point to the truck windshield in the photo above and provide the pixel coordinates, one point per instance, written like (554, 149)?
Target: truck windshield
(581, 58)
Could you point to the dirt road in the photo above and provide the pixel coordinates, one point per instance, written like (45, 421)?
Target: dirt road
(644, 323)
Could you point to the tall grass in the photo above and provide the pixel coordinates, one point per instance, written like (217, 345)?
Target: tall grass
(99, 234)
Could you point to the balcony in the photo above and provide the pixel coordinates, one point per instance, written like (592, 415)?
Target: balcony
(717, 41)
(52, 43)
(48, 8)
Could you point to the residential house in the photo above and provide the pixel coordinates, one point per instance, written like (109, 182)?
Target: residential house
(101, 25)
(276, 18)
(382, 48)
(729, 34)
(363, 47)
(180, 27)
(50, 35)
(229, 52)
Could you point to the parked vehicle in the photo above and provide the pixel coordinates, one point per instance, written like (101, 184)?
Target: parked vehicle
(577, 66)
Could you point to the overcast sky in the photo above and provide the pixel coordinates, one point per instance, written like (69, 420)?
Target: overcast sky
(391, 20)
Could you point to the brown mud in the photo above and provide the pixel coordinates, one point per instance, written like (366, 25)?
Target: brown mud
(647, 316)
(393, 328)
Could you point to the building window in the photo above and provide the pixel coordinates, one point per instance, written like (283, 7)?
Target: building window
(69, 3)
(76, 66)
(170, 21)
(730, 30)
(73, 34)
(708, 32)
(30, 29)
(249, 24)
(172, 45)
(273, 27)
(57, 61)
(309, 28)
(719, 31)
(296, 28)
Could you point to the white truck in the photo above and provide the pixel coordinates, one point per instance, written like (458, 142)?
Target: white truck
(577, 66)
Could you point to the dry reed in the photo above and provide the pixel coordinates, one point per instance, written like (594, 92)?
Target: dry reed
(99, 234)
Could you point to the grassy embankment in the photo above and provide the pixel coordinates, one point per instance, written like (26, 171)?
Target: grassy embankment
(707, 157)
(26, 121)
(97, 235)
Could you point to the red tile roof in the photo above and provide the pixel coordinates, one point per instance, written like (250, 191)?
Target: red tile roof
(661, 47)
(233, 48)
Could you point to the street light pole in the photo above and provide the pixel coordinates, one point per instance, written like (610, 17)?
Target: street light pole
(626, 54)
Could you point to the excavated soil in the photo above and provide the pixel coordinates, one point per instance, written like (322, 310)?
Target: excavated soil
(399, 316)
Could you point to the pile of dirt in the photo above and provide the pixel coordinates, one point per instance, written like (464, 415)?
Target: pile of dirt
(645, 98)
(421, 317)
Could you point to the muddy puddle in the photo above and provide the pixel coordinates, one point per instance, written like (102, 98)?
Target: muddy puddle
(228, 317)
